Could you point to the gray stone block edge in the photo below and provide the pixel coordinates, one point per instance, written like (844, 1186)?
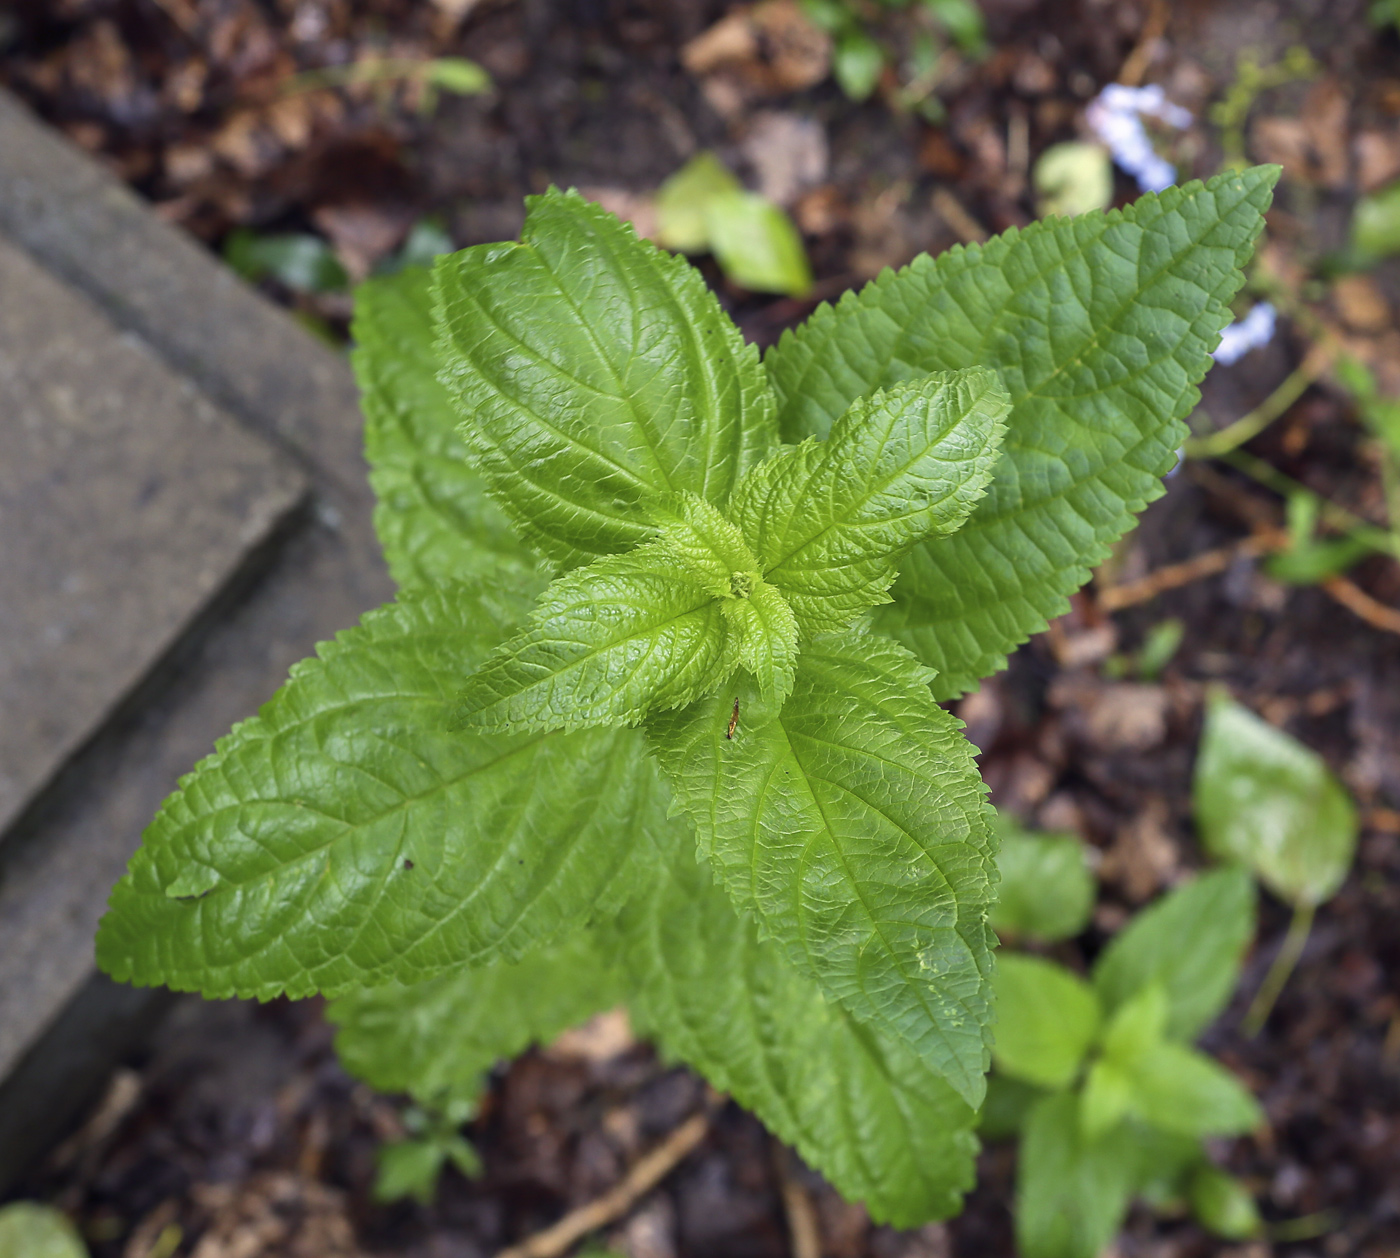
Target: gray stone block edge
(59, 1024)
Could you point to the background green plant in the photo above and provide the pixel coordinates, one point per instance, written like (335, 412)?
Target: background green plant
(1098, 1079)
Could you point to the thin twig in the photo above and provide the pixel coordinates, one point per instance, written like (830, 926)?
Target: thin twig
(1141, 56)
(1359, 603)
(1172, 576)
(1287, 957)
(1249, 426)
(956, 215)
(804, 1233)
(639, 1181)
(182, 13)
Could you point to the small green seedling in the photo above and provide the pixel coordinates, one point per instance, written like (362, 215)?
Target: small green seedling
(651, 721)
(1375, 227)
(1308, 558)
(859, 59)
(411, 1167)
(1100, 1079)
(704, 208)
(30, 1230)
(1047, 887)
(1072, 178)
(1266, 801)
(1381, 415)
(298, 260)
(1159, 647)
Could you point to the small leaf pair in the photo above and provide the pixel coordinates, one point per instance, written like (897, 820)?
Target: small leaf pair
(807, 541)
(1110, 1092)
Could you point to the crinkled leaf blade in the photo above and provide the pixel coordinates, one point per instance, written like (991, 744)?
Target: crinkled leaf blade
(856, 1102)
(829, 521)
(1100, 327)
(591, 372)
(434, 517)
(606, 644)
(852, 823)
(343, 837)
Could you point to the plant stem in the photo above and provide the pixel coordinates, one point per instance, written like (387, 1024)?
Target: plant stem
(1252, 424)
(1289, 952)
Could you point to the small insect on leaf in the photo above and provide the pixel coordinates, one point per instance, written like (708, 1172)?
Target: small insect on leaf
(733, 721)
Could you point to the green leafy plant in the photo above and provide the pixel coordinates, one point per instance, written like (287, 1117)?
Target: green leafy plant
(606, 512)
(411, 1167)
(1159, 646)
(860, 57)
(1384, 13)
(303, 262)
(1099, 1078)
(1266, 801)
(703, 207)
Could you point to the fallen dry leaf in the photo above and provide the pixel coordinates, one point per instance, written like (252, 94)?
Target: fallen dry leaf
(1377, 158)
(1360, 304)
(788, 154)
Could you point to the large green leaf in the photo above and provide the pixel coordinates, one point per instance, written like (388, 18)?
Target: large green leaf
(859, 1106)
(433, 515)
(1100, 327)
(1264, 799)
(606, 644)
(592, 371)
(829, 521)
(1191, 942)
(437, 1039)
(1072, 1190)
(344, 838)
(1047, 1018)
(853, 822)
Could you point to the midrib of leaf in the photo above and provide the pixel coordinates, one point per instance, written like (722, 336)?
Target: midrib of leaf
(348, 827)
(876, 922)
(652, 630)
(620, 395)
(557, 853)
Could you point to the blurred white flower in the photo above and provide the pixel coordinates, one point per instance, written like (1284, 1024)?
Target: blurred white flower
(1115, 116)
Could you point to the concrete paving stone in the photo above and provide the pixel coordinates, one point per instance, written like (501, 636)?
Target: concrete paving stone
(126, 500)
(237, 356)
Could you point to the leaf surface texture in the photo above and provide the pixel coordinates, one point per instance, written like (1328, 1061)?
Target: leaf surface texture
(1100, 327)
(591, 372)
(852, 822)
(343, 837)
